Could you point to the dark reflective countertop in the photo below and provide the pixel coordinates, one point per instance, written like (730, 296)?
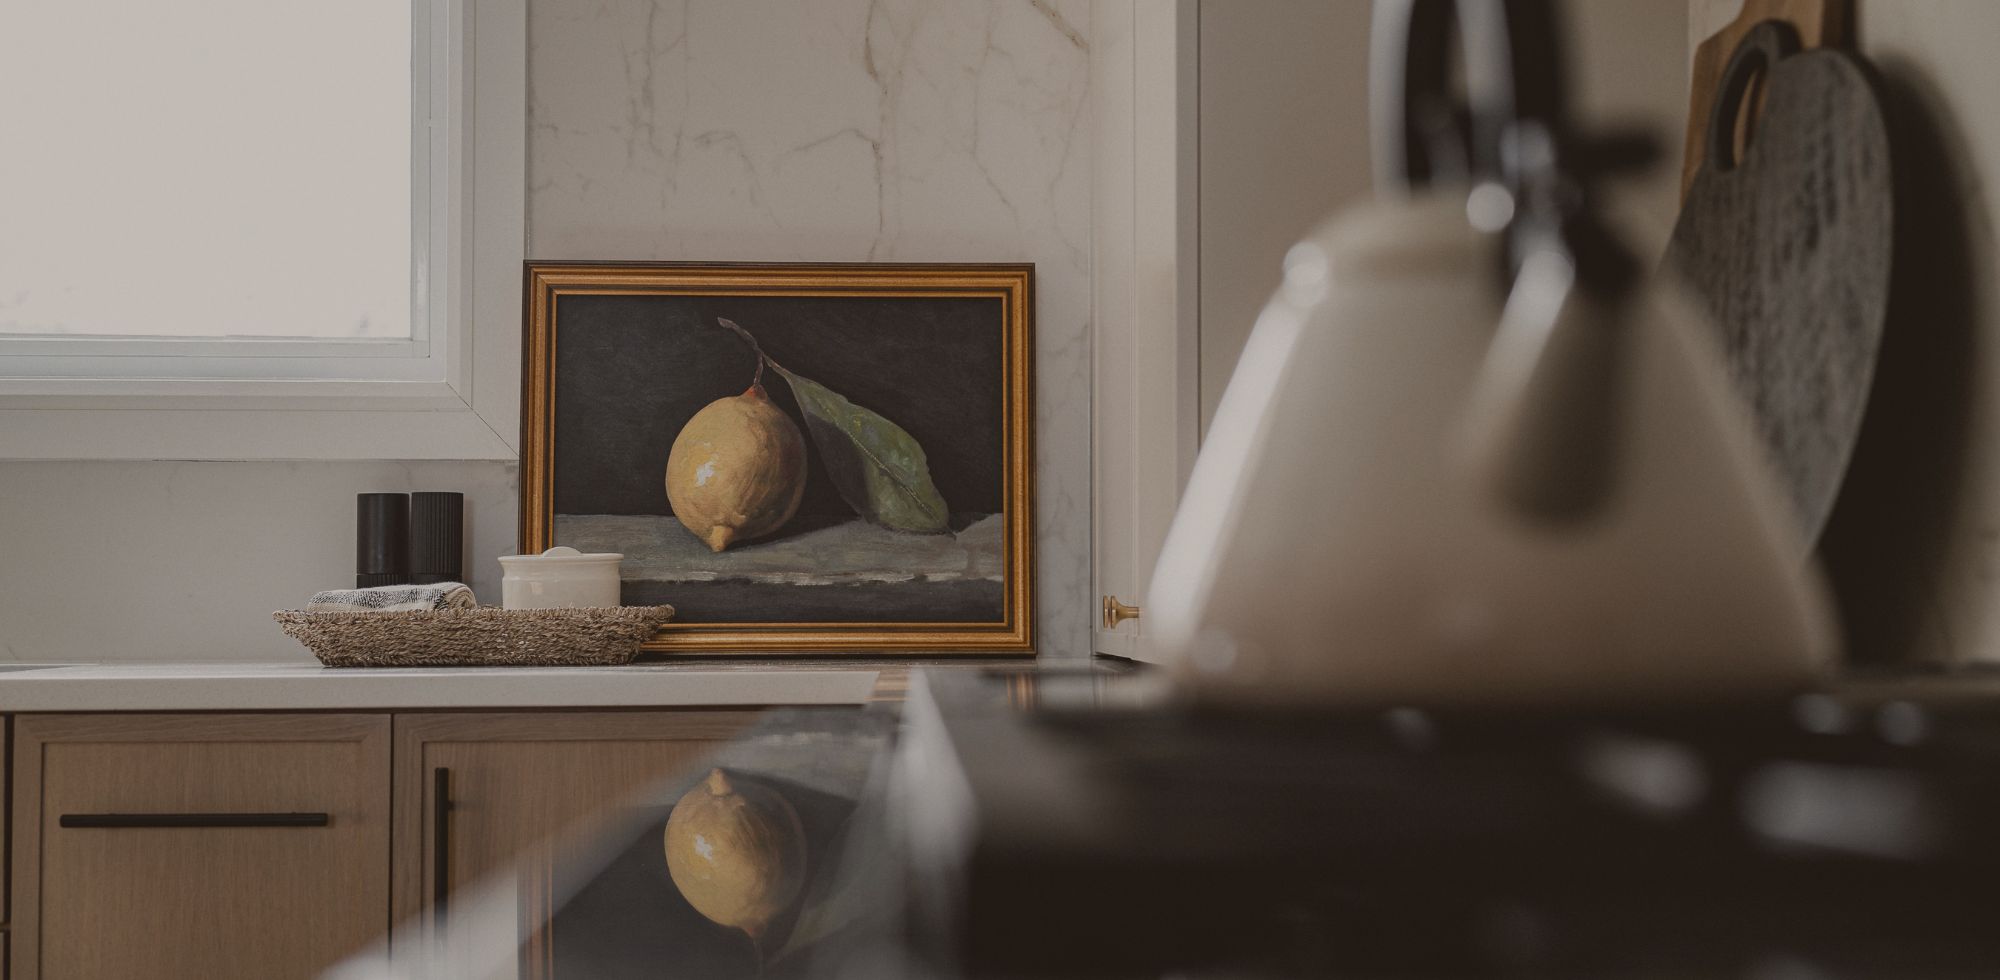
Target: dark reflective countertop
(1015, 823)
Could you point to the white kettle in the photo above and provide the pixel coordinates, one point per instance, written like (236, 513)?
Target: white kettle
(1464, 465)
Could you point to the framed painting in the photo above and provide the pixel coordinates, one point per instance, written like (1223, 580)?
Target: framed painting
(797, 458)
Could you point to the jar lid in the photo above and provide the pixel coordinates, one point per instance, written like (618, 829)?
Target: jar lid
(560, 555)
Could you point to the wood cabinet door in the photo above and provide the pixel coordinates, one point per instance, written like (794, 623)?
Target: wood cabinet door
(512, 783)
(215, 846)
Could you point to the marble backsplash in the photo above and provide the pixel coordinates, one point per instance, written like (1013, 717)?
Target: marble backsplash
(841, 131)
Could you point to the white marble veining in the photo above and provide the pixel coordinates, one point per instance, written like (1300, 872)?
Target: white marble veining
(841, 130)
(308, 686)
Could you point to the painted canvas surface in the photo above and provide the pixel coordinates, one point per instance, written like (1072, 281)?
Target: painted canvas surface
(787, 459)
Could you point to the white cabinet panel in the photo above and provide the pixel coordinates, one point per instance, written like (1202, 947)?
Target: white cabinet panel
(1145, 356)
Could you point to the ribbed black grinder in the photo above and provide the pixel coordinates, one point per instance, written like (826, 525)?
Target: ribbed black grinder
(381, 539)
(437, 537)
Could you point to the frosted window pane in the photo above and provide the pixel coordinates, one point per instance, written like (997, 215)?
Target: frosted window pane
(205, 168)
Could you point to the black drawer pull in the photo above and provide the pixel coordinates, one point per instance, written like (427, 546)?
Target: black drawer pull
(440, 844)
(132, 820)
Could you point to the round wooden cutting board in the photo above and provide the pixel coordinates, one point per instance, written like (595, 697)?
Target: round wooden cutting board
(1789, 249)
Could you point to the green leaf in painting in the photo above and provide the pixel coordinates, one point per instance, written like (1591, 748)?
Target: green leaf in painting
(879, 469)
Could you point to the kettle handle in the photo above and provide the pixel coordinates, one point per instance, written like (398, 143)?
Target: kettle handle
(1542, 428)
(1512, 72)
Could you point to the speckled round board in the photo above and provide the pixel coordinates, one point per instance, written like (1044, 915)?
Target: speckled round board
(1789, 248)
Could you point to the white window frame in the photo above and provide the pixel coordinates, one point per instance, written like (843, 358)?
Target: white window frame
(449, 392)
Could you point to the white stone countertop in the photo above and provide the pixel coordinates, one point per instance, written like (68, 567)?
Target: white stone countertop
(311, 687)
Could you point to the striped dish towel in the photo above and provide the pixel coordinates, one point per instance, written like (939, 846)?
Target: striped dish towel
(394, 598)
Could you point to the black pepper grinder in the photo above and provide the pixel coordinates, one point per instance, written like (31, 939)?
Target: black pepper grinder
(437, 537)
(381, 539)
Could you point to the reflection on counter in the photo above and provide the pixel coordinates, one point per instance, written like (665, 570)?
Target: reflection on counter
(738, 870)
(737, 852)
(1011, 823)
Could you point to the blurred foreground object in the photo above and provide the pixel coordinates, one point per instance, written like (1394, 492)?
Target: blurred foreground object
(1818, 836)
(1471, 452)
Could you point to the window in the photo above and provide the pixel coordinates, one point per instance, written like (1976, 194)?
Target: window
(217, 205)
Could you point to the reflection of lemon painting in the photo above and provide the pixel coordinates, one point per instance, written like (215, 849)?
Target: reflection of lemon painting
(737, 852)
(737, 470)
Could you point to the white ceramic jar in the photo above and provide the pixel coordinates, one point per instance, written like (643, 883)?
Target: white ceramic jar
(559, 578)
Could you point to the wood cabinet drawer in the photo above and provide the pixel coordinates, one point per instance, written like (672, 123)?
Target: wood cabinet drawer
(198, 845)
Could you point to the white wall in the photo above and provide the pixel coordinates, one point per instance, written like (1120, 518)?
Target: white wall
(906, 130)
(1284, 142)
(124, 561)
(1914, 544)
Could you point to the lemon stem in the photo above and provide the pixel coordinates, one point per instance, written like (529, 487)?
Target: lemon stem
(756, 380)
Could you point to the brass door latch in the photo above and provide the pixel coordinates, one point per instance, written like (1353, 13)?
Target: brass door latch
(1116, 612)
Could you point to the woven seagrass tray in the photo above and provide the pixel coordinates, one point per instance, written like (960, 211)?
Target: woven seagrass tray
(484, 637)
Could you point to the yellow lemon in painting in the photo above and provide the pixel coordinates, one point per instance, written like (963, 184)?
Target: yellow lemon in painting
(737, 470)
(737, 852)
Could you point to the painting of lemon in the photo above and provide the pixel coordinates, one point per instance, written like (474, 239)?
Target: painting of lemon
(795, 461)
(737, 470)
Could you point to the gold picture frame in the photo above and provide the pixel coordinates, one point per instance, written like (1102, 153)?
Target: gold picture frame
(618, 315)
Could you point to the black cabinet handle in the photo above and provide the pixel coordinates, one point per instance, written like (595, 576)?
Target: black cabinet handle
(156, 820)
(440, 843)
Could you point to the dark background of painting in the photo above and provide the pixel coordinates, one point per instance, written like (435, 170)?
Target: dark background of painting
(631, 370)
